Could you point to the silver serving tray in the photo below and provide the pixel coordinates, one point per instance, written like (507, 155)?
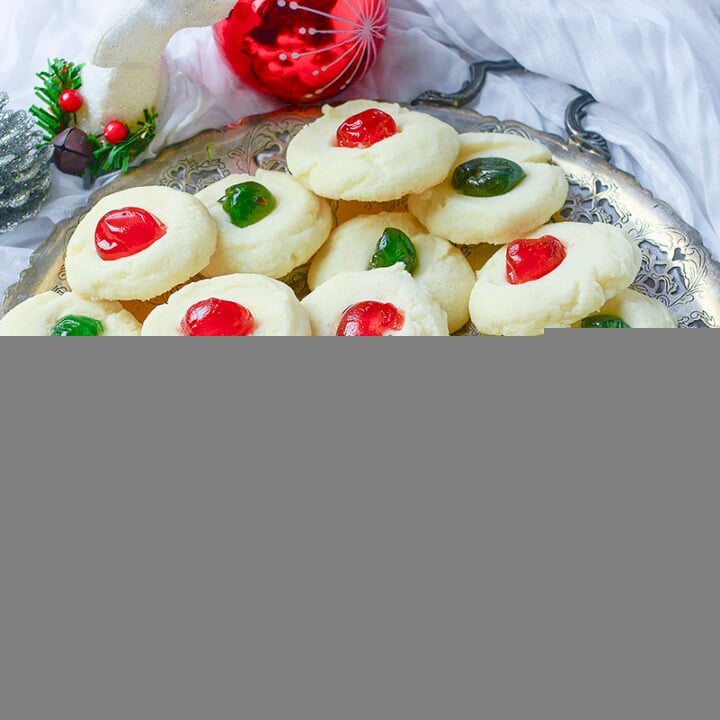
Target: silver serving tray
(676, 268)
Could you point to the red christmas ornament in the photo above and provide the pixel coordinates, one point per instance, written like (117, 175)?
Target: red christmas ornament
(302, 52)
(115, 132)
(70, 101)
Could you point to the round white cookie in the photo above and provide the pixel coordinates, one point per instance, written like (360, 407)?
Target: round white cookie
(274, 246)
(273, 305)
(442, 269)
(498, 220)
(182, 252)
(637, 310)
(417, 157)
(601, 261)
(328, 302)
(39, 314)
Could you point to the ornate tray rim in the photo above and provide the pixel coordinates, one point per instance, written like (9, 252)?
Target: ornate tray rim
(45, 255)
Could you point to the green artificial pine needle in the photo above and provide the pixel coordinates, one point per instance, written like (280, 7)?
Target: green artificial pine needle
(60, 76)
(109, 158)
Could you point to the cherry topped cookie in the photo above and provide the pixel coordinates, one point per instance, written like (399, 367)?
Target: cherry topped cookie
(68, 315)
(366, 242)
(554, 277)
(139, 243)
(373, 151)
(382, 302)
(237, 305)
(269, 223)
(630, 309)
(500, 187)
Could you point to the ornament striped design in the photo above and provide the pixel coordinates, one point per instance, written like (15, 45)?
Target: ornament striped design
(359, 43)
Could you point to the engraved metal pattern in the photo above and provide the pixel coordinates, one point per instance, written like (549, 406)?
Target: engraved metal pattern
(676, 269)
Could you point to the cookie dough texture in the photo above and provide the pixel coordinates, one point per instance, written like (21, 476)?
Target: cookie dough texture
(496, 220)
(274, 307)
(601, 261)
(285, 239)
(181, 253)
(442, 269)
(417, 157)
(638, 310)
(38, 314)
(327, 303)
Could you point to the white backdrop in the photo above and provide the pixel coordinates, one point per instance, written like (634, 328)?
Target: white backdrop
(653, 66)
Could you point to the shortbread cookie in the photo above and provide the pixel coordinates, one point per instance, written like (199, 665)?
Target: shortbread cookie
(632, 309)
(441, 268)
(469, 220)
(293, 224)
(139, 243)
(70, 315)
(415, 157)
(600, 261)
(385, 301)
(237, 304)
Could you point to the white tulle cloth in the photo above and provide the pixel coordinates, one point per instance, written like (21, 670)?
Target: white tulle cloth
(652, 65)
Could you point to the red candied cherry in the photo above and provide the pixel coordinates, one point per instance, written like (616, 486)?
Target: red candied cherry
(126, 231)
(370, 319)
(217, 317)
(531, 259)
(70, 101)
(116, 132)
(365, 129)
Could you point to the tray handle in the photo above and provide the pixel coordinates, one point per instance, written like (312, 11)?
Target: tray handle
(471, 88)
(586, 140)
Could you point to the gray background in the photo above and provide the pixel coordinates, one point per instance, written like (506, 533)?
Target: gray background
(474, 528)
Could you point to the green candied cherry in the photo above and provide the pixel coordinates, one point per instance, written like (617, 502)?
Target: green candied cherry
(604, 321)
(487, 176)
(247, 203)
(77, 326)
(394, 246)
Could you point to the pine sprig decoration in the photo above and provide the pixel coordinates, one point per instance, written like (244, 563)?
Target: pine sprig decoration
(61, 75)
(25, 176)
(76, 151)
(109, 158)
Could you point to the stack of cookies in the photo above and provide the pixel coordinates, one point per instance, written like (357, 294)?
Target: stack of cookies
(206, 264)
(476, 215)
(430, 230)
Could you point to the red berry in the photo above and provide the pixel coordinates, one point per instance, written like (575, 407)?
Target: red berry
(530, 259)
(217, 317)
(115, 132)
(70, 101)
(365, 129)
(370, 319)
(126, 231)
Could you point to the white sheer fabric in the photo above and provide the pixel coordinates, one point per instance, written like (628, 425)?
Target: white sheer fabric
(653, 66)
